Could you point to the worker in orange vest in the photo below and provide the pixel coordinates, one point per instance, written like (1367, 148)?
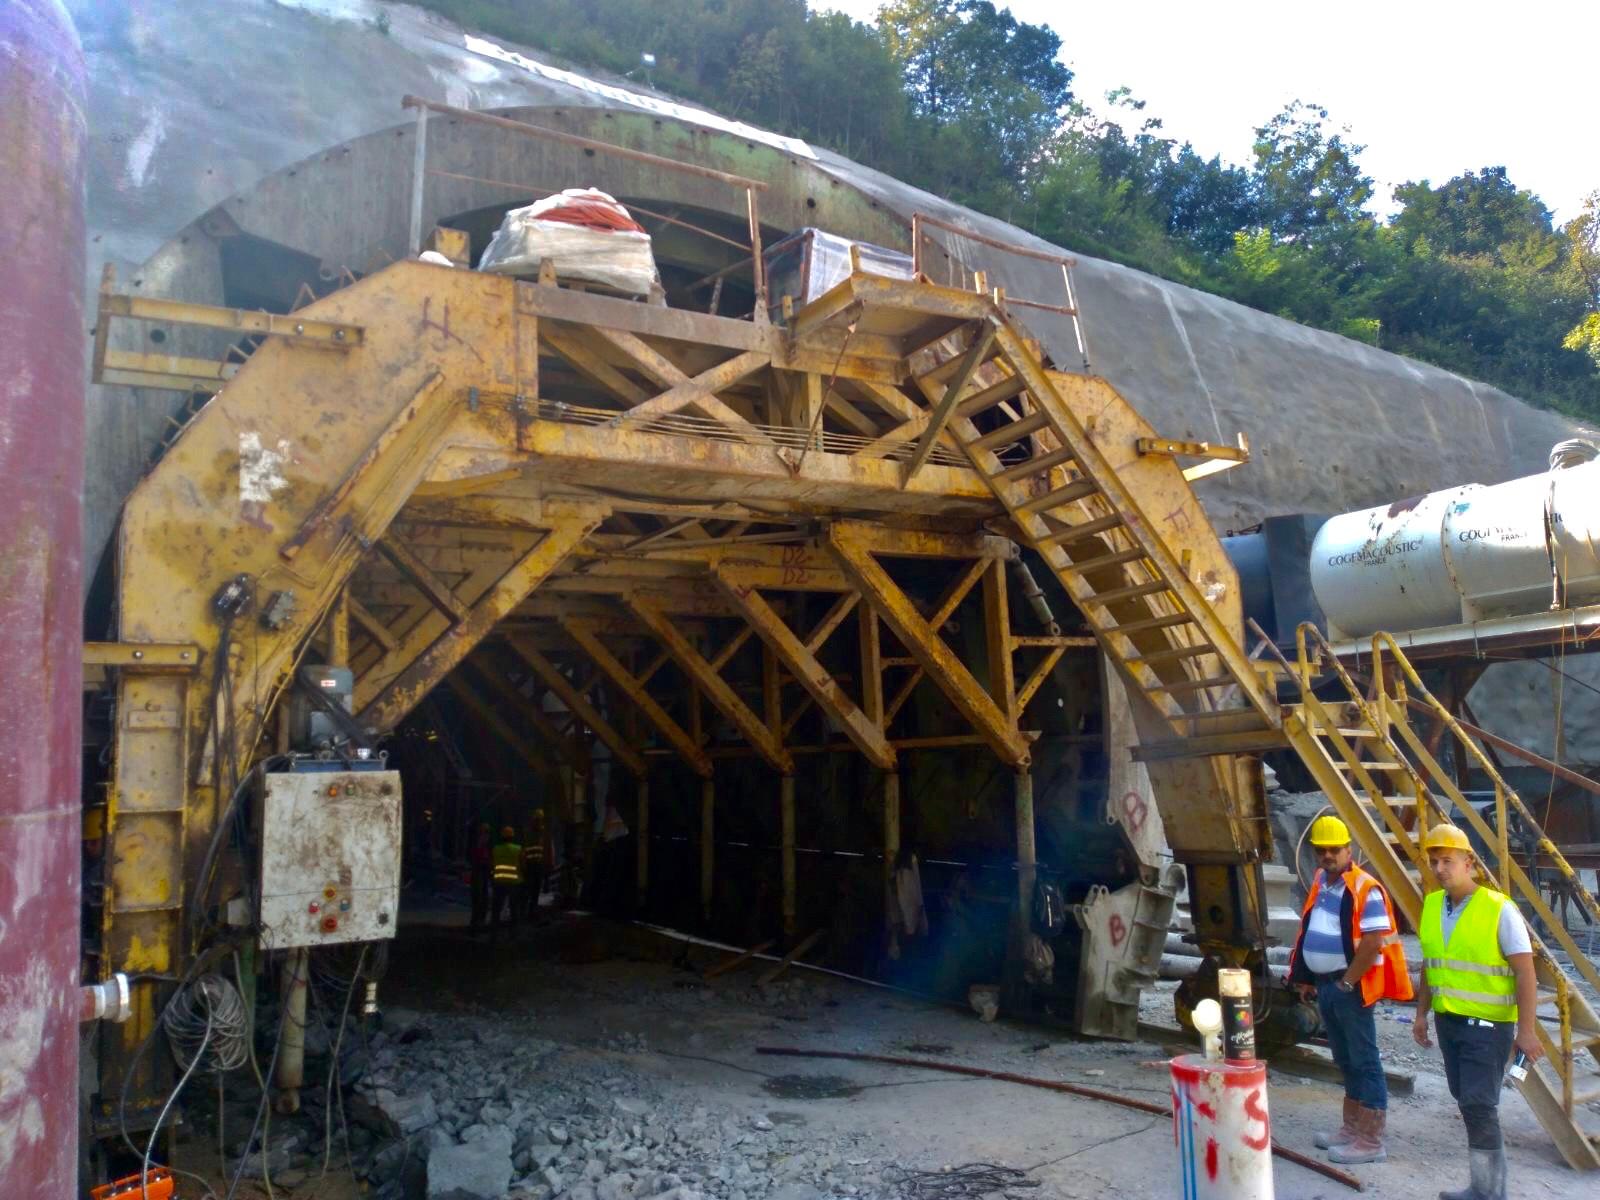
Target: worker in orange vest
(1348, 957)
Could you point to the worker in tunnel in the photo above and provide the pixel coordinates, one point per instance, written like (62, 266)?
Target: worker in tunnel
(1478, 981)
(1348, 957)
(505, 878)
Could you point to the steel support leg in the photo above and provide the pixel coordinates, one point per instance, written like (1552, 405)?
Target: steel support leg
(292, 1057)
(786, 812)
(708, 801)
(1026, 857)
(642, 844)
(891, 843)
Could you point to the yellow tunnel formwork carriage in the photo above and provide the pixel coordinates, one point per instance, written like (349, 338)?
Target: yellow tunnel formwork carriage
(480, 457)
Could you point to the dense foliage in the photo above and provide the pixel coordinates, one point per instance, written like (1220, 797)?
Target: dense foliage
(958, 97)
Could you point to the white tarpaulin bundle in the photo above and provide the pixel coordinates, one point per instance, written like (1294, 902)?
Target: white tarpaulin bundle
(584, 233)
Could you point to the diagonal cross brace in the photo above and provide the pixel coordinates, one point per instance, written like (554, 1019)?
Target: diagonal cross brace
(450, 648)
(925, 645)
(803, 664)
(579, 704)
(716, 689)
(677, 737)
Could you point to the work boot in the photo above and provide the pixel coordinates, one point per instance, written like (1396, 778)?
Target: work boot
(1346, 1132)
(1488, 1168)
(1367, 1146)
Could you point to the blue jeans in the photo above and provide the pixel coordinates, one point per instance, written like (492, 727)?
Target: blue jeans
(1352, 1030)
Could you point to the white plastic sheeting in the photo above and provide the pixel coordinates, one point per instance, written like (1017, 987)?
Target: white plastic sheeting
(618, 258)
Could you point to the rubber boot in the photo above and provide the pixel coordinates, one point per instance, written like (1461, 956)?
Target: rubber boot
(1488, 1168)
(1346, 1132)
(1368, 1144)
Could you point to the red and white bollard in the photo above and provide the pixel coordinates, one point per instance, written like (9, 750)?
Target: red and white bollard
(1221, 1128)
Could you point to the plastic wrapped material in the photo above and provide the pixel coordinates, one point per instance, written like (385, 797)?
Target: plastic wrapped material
(806, 264)
(584, 233)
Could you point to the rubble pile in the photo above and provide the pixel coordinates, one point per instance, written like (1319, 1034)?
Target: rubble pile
(457, 1108)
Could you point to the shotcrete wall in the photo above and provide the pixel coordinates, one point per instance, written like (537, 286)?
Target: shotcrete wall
(281, 119)
(213, 121)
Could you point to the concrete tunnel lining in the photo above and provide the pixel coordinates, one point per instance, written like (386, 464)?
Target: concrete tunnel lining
(1335, 424)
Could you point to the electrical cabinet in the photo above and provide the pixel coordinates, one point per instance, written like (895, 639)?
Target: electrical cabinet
(330, 856)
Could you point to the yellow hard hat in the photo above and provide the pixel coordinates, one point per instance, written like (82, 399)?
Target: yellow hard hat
(1329, 831)
(1446, 837)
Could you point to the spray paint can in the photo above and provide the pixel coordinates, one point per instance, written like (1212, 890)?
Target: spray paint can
(1517, 1072)
(1238, 1016)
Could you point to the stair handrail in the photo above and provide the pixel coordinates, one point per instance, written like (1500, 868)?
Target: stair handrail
(1385, 643)
(1308, 631)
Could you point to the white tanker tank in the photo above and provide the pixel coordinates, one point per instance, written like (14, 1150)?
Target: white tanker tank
(1466, 553)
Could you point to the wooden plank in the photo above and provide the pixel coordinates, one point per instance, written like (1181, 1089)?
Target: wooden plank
(789, 958)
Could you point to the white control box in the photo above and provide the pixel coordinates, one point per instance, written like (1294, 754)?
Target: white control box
(330, 857)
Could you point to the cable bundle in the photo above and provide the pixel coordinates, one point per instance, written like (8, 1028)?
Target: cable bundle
(206, 1020)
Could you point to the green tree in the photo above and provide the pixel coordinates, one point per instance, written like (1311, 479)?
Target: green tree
(1309, 182)
(989, 87)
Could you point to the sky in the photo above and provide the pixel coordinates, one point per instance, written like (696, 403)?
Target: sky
(1431, 88)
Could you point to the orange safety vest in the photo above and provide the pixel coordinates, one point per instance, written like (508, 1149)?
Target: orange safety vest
(1386, 979)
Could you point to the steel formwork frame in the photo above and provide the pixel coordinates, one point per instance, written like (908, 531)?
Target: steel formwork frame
(590, 489)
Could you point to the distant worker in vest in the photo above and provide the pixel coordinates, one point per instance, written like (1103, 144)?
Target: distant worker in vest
(533, 860)
(1478, 980)
(1347, 958)
(506, 859)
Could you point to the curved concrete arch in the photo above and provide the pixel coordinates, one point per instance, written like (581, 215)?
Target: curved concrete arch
(257, 84)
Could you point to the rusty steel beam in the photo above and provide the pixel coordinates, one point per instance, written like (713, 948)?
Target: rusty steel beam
(997, 634)
(940, 415)
(487, 674)
(801, 660)
(700, 390)
(491, 716)
(447, 651)
(714, 687)
(422, 577)
(687, 748)
(932, 655)
(650, 362)
(577, 703)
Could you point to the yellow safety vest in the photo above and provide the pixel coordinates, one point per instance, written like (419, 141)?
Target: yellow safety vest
(507, 860)
(1468, 976)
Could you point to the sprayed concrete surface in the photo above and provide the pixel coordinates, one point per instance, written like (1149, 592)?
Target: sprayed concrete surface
(280, 119)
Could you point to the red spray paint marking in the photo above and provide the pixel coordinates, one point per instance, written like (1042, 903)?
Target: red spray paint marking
(1253, 1110)
(1117, 929)
(1211, 1158)
(1135, 809)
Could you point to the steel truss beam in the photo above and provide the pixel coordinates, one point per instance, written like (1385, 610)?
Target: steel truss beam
(924, 644)
(800, 657)
(584, 634)
(425, 671)
(712, 685)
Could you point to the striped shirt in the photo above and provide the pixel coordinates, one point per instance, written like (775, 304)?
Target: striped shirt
(1323, 947)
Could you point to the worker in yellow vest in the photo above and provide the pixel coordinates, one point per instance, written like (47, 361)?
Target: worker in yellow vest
(506, 879)
(1347, 958)
(1478, 980)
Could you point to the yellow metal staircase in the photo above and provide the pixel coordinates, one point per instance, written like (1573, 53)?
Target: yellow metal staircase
(1387, 783)
(1199, 693)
